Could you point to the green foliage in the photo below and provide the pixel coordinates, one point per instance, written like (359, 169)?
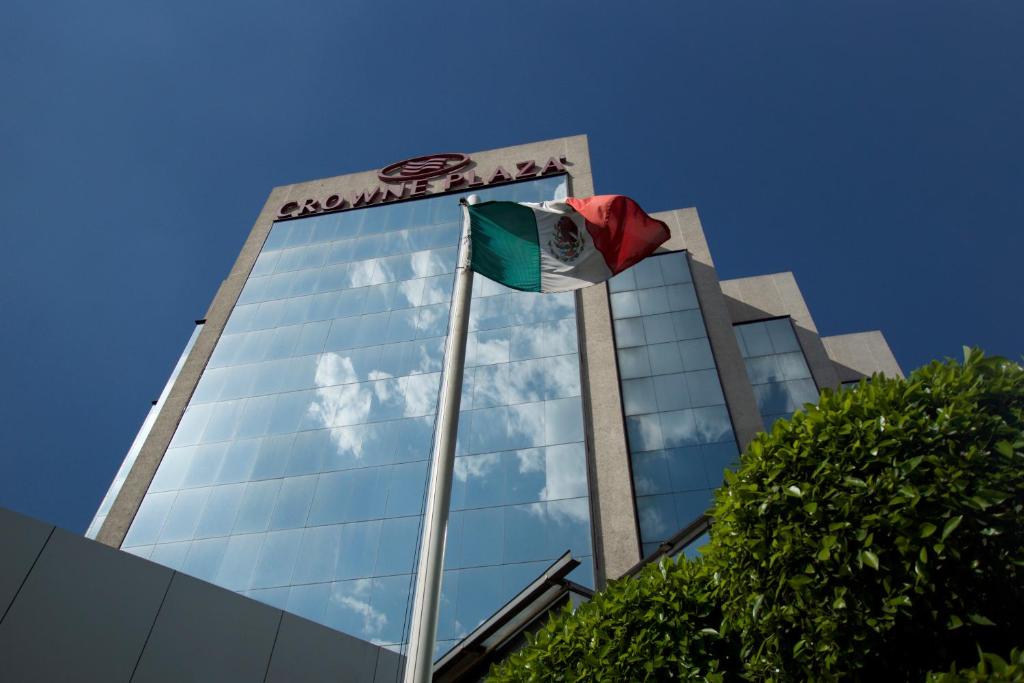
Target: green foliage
(881, 529)
(877, 535)
(991, 669)
(660, 625)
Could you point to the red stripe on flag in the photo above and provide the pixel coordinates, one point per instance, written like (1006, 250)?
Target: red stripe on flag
(622, 232)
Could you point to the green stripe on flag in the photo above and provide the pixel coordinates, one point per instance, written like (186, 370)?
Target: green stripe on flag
(505, 246)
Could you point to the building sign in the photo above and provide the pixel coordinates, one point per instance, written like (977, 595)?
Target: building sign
(419, 177)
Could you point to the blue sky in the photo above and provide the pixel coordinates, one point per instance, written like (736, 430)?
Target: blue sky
(873, 148)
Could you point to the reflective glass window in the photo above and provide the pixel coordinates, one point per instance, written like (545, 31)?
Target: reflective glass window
(678, 429)
(776, 367)
(298, 472)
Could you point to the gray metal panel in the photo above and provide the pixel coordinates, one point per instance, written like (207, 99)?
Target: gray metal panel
(389, 667)
(83, 614)
(23, 538)
(308, 652)
(205, 633)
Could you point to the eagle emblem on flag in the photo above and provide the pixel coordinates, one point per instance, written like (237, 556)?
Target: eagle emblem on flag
(566, 243)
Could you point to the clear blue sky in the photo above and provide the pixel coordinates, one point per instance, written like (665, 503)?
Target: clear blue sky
(875, 148)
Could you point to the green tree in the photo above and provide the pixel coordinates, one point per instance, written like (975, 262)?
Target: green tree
(876, 535)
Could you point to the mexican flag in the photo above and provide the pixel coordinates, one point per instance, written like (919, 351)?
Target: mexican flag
(558, 246)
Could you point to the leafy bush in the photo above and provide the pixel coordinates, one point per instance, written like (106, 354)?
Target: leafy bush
(660, 625)
(991, 669)
(881, 533)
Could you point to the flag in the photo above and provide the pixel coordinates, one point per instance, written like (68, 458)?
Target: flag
(562, 245)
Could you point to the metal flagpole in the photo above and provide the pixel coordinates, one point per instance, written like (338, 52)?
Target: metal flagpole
(419, 664)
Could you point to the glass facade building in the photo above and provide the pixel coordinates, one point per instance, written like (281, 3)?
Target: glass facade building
(298, 472)
(288, 457)
(678, 428)
(776, 367)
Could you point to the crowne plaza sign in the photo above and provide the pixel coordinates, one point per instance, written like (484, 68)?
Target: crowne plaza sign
(419, 177)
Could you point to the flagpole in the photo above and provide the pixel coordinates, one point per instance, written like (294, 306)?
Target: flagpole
(419, 664)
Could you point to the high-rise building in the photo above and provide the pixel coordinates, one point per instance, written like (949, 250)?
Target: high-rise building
(288, 455)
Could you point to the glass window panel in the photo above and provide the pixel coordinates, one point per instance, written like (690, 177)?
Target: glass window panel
(526, 423)
(625, 305)
(791, 366)
(624, 281)
(782, 335)
(675, 268)
(437, 289)
(671, 391)
(526, 530)
(358, 549)
(687, 469)
(308, 452)
(205, 557)
(763, 369)
(544, 339)
(755, 340)
(802, 391)
(719, 457)
(658, 328)
(398, 547)
(692, 504)
(272, 457)
(488, 347)
(265, 264)
(390, 599)
(638, 396)
(191, 426)
(682, 297)
(482, 478)
(678, 428)
(688, 324)
(172, 469)
(256, 505)
(238, 461)
(657, 517)
(653, 301)
(651, 474)
(648, 274)
(267, 315)
(405, 488)
(293, 502)
(239, 561)
(568, 527)
(149, 519)
(772, 399)
(255, 417)
(275, 597)
(317, 555)
(276, 559)
(347, 496)
(312, 338)
(482, 534)
(223, 420)
(170, 554)
(565, 472)
(704, 387)
(309, 601)
(644, 432)
(183, 516)
(634, 362)
(665, 358)
(220, 511)
(431, 321)
(480, 594)
(713, 424)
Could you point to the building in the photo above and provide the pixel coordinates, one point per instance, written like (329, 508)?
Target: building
(287, 457)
